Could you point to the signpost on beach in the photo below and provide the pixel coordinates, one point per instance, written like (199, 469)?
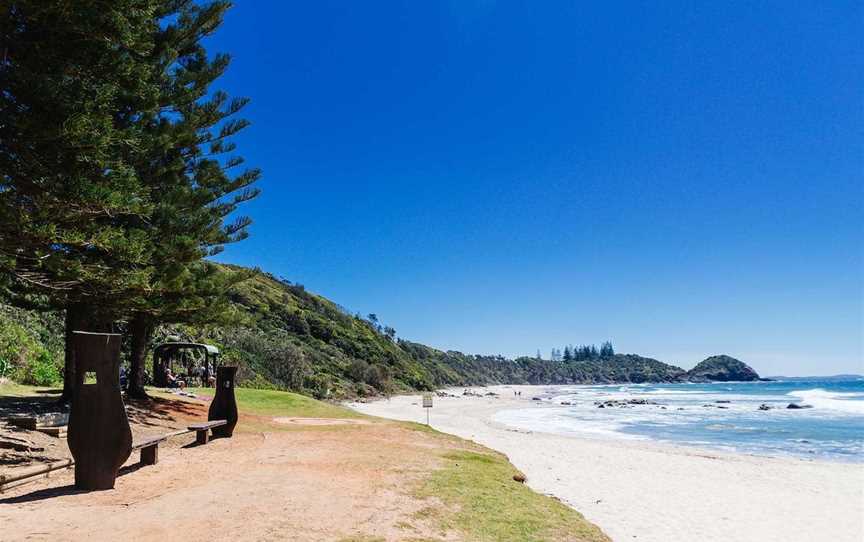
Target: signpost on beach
(427, 404)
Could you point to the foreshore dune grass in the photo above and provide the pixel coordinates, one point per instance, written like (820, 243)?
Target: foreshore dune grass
(479, 498)
(283, 403)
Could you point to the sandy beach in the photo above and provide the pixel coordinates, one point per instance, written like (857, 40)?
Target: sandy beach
(649, 491)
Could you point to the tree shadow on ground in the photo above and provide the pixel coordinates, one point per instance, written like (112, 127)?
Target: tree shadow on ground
(20, 406)
(150, 412)
(43, 494)
(51, 492)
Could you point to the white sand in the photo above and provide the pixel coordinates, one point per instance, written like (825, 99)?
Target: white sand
(649, 491)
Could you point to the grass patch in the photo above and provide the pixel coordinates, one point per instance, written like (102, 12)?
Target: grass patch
(12, 389)
(479, 498)
(282, 403)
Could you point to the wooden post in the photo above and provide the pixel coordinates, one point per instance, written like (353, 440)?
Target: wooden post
(224, 405)
(99, 436)
(150, 455)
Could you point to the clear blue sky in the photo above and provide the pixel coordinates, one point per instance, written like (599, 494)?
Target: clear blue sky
(498, 177)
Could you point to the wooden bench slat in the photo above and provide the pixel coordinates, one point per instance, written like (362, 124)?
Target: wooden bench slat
(207, 425)
(150, 441)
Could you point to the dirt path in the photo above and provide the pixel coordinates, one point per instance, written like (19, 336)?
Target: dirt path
(289, 482)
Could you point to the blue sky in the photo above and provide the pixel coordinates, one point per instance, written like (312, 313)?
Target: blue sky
(684, 179)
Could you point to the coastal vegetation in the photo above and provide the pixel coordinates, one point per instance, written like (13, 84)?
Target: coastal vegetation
(284, 337)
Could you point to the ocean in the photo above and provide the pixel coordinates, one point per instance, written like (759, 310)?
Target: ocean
(723, 416)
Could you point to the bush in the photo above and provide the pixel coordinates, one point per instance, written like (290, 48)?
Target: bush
(42, 371)
(20, 353)
(16, 345)
(378, 377)
(257, 382)
(320, 385)
(356, 371)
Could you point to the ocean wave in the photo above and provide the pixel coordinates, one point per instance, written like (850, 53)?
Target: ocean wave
(662, 391)
(839, 401)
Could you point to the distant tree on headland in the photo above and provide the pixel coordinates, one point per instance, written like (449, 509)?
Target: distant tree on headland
(582, 353)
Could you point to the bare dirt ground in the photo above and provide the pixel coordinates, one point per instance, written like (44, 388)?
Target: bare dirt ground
(305, 482)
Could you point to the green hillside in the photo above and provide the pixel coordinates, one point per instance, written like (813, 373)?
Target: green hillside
(285, 337)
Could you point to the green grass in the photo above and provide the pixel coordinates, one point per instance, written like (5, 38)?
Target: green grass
(12, 389)
(479, 498)
(283, 403)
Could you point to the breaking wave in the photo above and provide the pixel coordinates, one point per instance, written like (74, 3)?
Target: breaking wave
(819, 398)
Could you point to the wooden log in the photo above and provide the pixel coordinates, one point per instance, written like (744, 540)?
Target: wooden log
(59, 432)
(24, 422)
(23, 476)
(20, 445)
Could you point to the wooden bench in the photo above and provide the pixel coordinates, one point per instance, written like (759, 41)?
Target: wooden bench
(149, 449)
(202, 430)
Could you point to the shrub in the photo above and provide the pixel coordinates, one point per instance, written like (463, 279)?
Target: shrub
(14, 343)
(41, 371)
(257, 382)
(320, 385)
(356, 371)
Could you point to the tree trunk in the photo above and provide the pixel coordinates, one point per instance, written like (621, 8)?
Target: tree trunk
(141, 327)
(79, 317)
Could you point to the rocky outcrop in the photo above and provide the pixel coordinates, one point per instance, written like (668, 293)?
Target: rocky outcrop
(623, 403)
(721, 369)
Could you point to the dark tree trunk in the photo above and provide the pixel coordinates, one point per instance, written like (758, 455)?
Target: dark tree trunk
(74, 317)
(79, 317)
(141, 328)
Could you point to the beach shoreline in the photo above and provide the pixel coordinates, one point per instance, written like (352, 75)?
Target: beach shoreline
(653, 491)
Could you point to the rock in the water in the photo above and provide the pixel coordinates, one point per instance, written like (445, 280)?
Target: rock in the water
(796, 406)
(623, 403)
(721, 369)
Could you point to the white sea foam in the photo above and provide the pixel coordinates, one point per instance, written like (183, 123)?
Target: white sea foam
(556, 420)
(820, 398)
